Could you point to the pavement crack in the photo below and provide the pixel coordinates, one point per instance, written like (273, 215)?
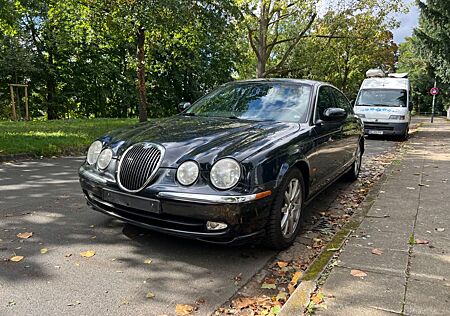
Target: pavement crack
(411, 244)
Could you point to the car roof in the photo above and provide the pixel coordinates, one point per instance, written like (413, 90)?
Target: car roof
(282, 80)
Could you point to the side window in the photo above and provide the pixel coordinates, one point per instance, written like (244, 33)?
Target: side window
(342, 102)
(325, 100)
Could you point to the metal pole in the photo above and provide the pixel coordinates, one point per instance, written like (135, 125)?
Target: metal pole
(434, 102)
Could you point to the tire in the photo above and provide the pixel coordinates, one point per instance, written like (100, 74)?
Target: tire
(353, 173)
(405, 136)
(279, 236)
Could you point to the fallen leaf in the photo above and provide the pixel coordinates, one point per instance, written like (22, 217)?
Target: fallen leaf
(16, 258)
(358, 273)
(275, 310)
(67, 255)
(184, 309)
(44, 250)
(150, 295)
(410, 188)
(317, 298)
(87, 254)
(242, 302)
(291, 288)
(148, 261)
(440, 229)
(377, 252)
(422, 242)
(24, 235)
(297, 275)
(270, 286)
(282, 264)
(124, 302)
(73, 304)
(282, 296)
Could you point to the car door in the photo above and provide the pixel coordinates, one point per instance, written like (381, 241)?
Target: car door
(350, 129)
(325, 160)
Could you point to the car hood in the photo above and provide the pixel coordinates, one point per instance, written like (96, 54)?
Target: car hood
(203, 139)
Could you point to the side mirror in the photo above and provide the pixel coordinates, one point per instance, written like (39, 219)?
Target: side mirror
(183, 106)
(334, 114)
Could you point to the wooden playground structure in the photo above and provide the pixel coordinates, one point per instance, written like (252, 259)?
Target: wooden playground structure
(13, 102)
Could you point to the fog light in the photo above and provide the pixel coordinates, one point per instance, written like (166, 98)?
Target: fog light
(215, 225)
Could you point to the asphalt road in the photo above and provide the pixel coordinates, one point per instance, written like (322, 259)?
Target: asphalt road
(44, 197)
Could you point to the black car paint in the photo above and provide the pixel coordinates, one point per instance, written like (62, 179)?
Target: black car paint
(266, 150)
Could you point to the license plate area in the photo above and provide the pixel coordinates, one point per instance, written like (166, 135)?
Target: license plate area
(132, 201)
(372, 132)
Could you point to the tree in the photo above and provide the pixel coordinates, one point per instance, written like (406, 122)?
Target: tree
(270, 23)
(433, 39)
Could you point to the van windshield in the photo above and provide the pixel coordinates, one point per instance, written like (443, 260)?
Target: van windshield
(382, 97)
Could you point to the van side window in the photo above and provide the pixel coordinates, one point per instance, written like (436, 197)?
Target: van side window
(325, 100)
(342, 102)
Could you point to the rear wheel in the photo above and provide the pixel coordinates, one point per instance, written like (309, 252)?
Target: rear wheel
(355, 169)
(284, 220)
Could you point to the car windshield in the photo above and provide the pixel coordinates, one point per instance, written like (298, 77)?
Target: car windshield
(382, 97)
(266, 101)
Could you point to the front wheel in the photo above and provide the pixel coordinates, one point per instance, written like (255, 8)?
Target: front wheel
(284, 220)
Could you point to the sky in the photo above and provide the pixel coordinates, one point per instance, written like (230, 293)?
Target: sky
(407, 23)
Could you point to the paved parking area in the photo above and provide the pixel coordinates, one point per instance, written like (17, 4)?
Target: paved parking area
(43, 197)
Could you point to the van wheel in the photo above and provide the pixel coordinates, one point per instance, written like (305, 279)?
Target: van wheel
(284, 219)
(353, 173)
(405, 136)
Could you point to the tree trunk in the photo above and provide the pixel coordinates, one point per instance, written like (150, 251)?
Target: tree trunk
(52, 113)
(141, 74)
(261, 44)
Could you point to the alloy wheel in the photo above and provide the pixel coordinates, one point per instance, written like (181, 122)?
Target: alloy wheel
(292, 207)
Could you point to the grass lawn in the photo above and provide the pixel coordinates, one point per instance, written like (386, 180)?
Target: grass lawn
(48, 138)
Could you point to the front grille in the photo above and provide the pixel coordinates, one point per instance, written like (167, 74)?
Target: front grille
(138, 166)
(378, 126)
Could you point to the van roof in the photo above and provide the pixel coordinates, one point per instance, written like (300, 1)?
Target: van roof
(385, 83)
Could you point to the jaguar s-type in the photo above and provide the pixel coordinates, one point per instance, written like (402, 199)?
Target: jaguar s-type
(239, 164)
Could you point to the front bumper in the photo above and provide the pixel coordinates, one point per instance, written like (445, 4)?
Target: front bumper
(385, 128)
(184, 215)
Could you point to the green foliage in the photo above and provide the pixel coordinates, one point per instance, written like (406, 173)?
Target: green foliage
(46, 138)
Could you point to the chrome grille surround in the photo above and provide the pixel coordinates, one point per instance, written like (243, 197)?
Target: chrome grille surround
(138, 166)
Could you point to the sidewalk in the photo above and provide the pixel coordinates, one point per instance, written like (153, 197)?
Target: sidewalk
(409, 228)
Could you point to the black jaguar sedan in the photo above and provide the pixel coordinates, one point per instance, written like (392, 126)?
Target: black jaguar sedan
(240, 163)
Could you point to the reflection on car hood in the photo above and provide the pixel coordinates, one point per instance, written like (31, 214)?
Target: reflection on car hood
(203, 139)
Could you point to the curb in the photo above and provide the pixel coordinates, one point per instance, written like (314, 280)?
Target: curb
(300, 298)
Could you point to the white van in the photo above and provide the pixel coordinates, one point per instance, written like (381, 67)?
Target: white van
(383, 104)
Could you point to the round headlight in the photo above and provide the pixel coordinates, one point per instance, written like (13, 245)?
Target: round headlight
(187, 173)
(93, 152)
(225, 173)
(104, 159)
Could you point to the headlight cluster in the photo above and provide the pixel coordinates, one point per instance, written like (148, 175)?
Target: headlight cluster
(95, 154)
(225, 173)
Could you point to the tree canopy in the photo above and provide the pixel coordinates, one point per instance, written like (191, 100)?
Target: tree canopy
(127, 58)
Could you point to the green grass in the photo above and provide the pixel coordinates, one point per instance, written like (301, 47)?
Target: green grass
(49, 138)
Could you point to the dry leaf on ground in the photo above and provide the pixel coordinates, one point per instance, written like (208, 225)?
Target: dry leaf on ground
(282, 264)
(269, 286)
(150, 295)
(148, 261)
(24, 235)
(184, 309)
(243, 302)
(16, 258)
(297, 275)
(377, 252)
(358, 273)
(422, 242)
(44, 250)
(87, 254)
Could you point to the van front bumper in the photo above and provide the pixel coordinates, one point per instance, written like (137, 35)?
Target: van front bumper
(385, 128)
